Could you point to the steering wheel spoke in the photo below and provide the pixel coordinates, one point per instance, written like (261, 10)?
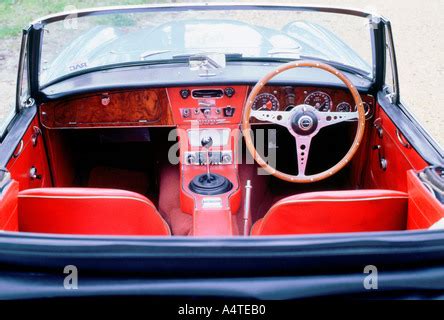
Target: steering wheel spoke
(277, 117)
(302, 149)
(326, 119)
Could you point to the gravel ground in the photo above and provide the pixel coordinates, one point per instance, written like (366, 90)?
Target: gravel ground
(417, 28)
(9, 54)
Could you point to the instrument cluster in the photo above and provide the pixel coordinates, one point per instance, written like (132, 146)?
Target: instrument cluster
(324, 100)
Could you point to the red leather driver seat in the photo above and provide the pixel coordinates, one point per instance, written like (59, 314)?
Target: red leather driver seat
(88, 211)
(334, 212)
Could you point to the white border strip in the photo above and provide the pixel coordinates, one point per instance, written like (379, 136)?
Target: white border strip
(338, 200)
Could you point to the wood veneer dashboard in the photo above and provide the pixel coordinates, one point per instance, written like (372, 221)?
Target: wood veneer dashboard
(174, 106)
(132, 108)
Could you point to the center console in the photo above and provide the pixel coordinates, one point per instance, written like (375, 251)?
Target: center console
(208, 183)
(208, 122)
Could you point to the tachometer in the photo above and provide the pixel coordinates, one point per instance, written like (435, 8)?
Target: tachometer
(320, 100)
(266, 101)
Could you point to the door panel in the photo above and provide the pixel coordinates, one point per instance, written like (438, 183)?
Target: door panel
(29, 158)
(424, 209)
(397, 142)
(388, 144)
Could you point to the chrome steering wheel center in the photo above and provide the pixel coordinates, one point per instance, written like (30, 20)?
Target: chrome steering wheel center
(304, 120)
(305, 123)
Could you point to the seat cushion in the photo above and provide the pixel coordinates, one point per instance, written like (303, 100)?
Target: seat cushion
(335, 211)
(88, 211)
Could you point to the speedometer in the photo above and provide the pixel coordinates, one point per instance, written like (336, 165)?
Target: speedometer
(320, 100)
(266, 101)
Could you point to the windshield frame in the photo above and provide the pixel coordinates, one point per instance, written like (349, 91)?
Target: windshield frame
(38, 26)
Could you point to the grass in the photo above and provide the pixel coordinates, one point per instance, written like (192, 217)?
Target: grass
(17, 14)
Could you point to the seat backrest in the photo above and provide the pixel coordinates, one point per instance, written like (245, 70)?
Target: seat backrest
(334, 212)
(88, 211)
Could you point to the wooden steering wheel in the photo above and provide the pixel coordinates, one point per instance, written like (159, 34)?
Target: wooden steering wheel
(303, 122)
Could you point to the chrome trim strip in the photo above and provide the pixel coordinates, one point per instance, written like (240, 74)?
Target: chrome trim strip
(201, 7)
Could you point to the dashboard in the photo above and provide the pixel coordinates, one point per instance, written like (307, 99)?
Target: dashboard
(184, 106)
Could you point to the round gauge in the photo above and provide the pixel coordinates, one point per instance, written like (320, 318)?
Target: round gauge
(320, 100)
(266, 101)
(367, 108)
(343, 107)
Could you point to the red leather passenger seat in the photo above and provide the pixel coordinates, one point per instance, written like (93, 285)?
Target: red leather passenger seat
(88, 211)
(334, 212)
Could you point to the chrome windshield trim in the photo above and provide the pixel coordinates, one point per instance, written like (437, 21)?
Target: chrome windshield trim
(201, 7)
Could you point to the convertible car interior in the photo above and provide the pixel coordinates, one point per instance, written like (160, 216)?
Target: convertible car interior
(213, 146)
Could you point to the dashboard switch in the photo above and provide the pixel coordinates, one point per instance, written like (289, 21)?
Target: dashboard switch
(229, 111)
(226, 158)
(229, 92)
(184, 93)
(186, 113)
(191, 159)
(206, 112)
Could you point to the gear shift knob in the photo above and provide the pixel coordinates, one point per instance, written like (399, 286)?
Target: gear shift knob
(206, 142)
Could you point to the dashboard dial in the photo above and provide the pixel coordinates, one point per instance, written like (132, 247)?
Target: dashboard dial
(320, 100)
(266, 101)
(367, 108)
(343, 107)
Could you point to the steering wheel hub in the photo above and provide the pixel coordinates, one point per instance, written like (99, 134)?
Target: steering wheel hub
(304, 122)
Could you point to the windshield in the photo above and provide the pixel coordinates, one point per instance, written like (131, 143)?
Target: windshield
(80, 43)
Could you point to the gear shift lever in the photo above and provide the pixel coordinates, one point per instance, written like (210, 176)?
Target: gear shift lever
(206, 143)
(209, 183)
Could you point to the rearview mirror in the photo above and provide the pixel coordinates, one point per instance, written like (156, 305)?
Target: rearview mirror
(207, 61)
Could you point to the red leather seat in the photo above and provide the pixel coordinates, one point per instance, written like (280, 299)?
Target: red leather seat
(88, 211)
(335, 211)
